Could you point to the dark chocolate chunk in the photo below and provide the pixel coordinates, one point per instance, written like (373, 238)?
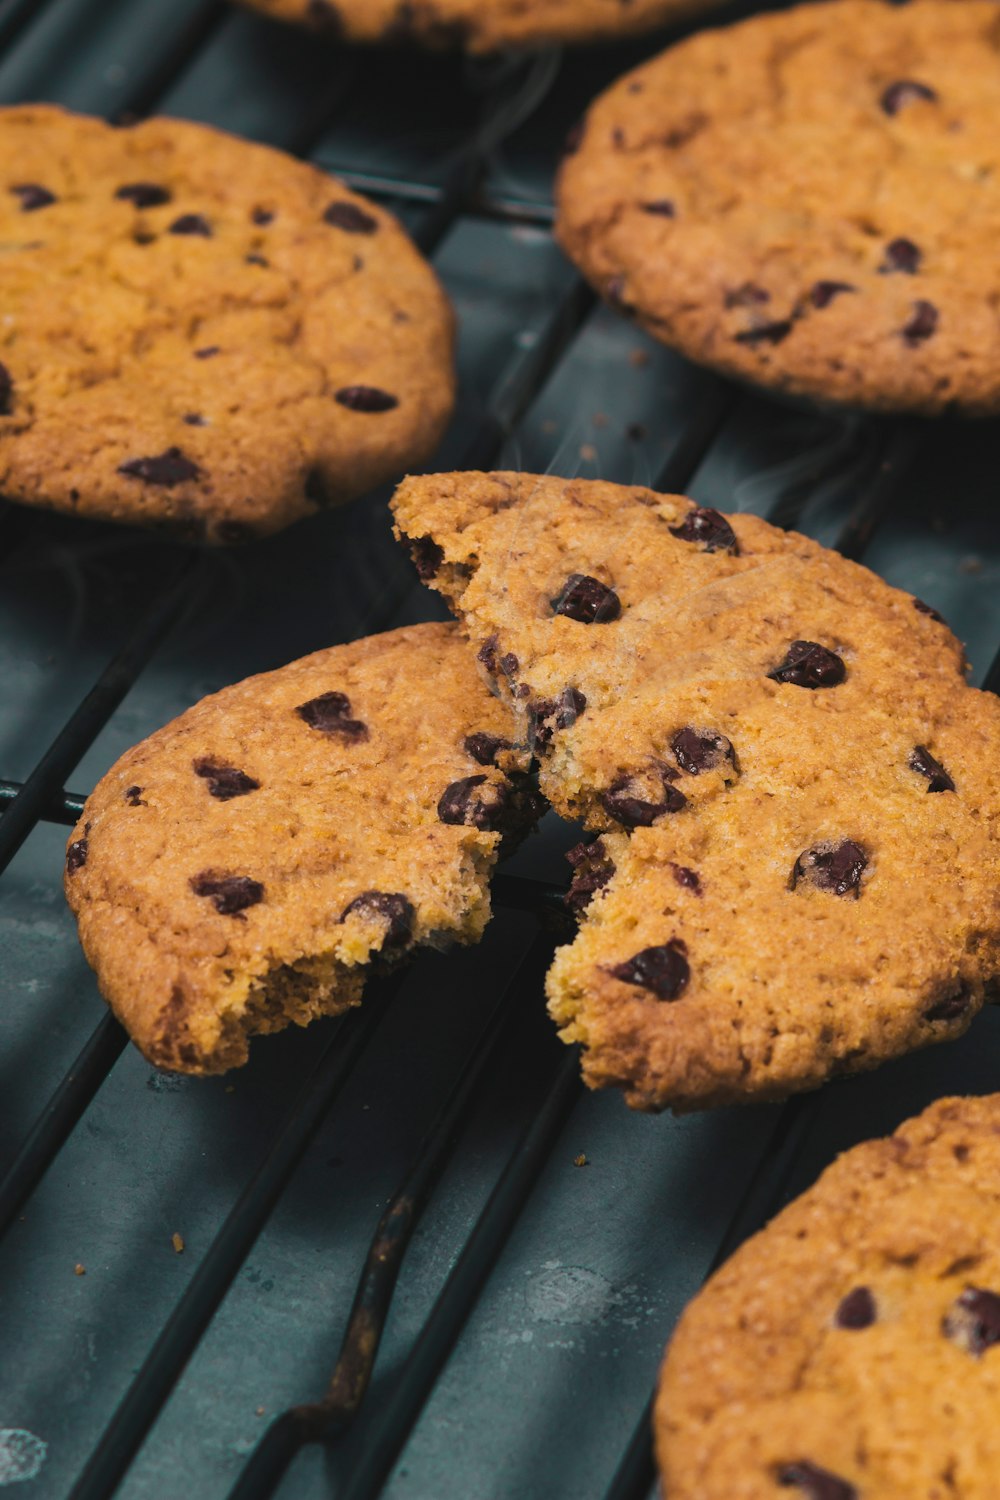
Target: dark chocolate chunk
(689, 879)
(6, 392)
(547, 715)
(809, 665)
(331, 713)
(76, 855)
(973, 1321)
(592, 869)
(901, 255)
(33, 196)
(229, 894)
(700, 750)
(923, 762)
(624, 800)
(664, 970)
(709, 529)
(133, 796)
(487, 654)
(823, 292)
(224, 782)
(166, 469)
(427, 556)
(856, 1310)
(509, 664)
(350, 217)
(816, 1483)
(587, 600)
(192, 224)
(950, 1006)
(387, 906)
(485, 748)
(830, 866)
(905, 91)
(366, 398)
(508, 807)
(144, 194)
(923, 323)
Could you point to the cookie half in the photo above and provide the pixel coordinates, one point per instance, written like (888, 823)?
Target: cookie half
(247, 865)
(203, 334)
(806, 200)
(795, 792)
(850, 1349)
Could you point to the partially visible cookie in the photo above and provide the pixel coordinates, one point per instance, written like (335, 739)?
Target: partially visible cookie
(807, 200)
(849, 1350)
(248, 864)
(203, 334)
(778, 752)
(480, 27)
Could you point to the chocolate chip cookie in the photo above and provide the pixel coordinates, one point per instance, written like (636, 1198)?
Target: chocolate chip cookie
(794, 792)
(848, 1352)
(807, 200)
(246, 866)
(479, 27)
(201, 333)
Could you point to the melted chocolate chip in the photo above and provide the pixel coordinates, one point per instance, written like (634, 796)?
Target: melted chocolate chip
(689, 879)
(624, 801)
(587, 600)
(229, 894)
(144, 194)
(766, 333)
(6, 392)
(366, 398)
(350, 217)
(133, 796)
(192, 224)
(816, 1483)
(664, 970)
(929, 610)
(700, 750)
(923, 762)
(427, 556)
(262, 216)
(952, 1005)
(224, 782)
(662, 206)
(76, 855)
(905, 91)
(973, 1321)
(165, 469)
(856, 1310)
(547, 715)
(33, 196)
(923, 323)
(592, 869)
(809, 665)
(331, 713)
(508, 807)
(823, 292)
(485, 748)
(901, 255)
(830, 866)
(709, 529)
(387, 906)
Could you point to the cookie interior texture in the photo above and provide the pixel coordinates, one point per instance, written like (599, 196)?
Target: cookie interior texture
(794, 792)
(245, 866)
(849, 1350)
(806, 199)
(203, 334)
(478, 26)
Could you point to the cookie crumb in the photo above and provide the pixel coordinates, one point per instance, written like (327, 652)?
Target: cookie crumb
(79, 1269)
(261, 1410)
(177, 1240)
(581, 1161)
(588, 452)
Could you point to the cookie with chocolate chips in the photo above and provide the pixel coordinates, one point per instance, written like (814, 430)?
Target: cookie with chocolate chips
(850, 1350)
(246, 866)
(203, 334)
(806, 200)
(795, 792)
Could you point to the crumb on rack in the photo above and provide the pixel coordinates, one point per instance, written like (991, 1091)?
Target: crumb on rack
(177, 1240)
(580, 1161)
(79, 1269)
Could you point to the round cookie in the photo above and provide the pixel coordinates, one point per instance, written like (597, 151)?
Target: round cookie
(476, 26)
(247, 865)
(202, 333)
(850, 1350)
(808, 200)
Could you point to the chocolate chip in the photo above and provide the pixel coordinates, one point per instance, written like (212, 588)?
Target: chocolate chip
(592, 869)
(923, 762)
(547, 715)
(927, 609)
(257, 260)
(350, 217)
(856, 1310)
(831, 866)
(33, 196)
(487, 654)
(365, 398)
(809, 665)
(624, 801)
(509, 664)
(427, 556)
(133, 796)
(662, 206)
(664, 970)
(823, 292)
(331, 713)
(901, 255)
(6, 392)
(209, 352)
(905, 91)
(952, 1005)
(973, 1321)
(485, 748)
(193, 419)
(144, 194)
(166, 469)
(262, 216)
(765, 333)
(230, 894)
(586, 600)
(225, 782)
(709, 529)
(387, 906)
(816, 1483)
(508, 807)
(689, 879)
(76, 855)
(700, 750)
(923, 323)
(192, 224)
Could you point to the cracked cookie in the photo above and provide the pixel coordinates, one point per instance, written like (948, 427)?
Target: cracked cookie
(247, 865)
(796, 797)
(203, 334)
(848, 1351)
(806, 200)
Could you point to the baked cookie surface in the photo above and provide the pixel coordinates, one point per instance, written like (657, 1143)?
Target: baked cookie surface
(778, 752)
(245, 866)
(848, 1351)
(806, 200)
(202, 333)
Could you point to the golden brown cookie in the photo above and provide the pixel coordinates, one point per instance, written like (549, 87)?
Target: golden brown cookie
(849, 1351)
(203, 333)
(797, 795)
(245, 866)
(808, 200)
